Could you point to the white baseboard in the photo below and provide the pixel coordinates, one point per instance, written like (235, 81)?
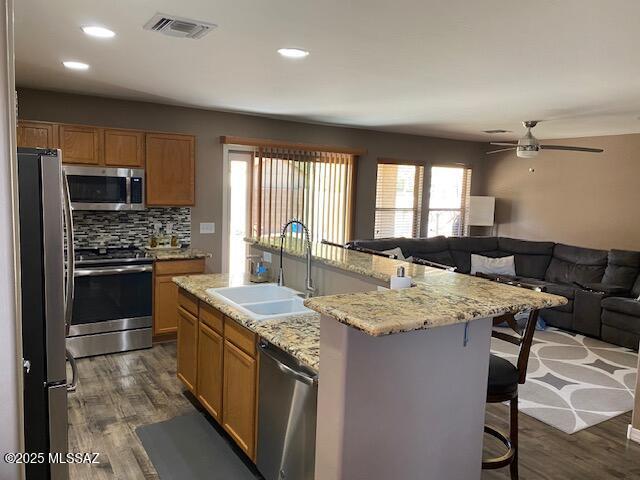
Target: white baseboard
(633, 434)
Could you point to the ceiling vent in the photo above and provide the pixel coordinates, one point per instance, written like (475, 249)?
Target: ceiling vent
(178, 26)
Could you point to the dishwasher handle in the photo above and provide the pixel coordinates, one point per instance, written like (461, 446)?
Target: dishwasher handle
(287, 369)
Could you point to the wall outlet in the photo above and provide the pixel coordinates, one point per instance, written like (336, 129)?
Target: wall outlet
(207, 227)
(266, 256)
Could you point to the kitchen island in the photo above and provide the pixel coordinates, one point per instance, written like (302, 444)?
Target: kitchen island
(404, 373)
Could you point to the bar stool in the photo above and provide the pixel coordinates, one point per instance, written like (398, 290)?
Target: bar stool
(504, 378)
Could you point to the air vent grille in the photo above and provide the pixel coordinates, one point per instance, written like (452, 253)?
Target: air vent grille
(178, 27)
(497, 130)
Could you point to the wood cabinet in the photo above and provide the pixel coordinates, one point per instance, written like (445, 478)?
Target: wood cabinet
(123, 148)
(165, 292)
(187, 348)
(81, 144)
(168, 159)
(170, 169)
(37, 134)
(210, 374)
(224, 374)
(239, 399)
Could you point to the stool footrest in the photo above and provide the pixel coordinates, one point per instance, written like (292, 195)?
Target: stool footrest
(503, 460)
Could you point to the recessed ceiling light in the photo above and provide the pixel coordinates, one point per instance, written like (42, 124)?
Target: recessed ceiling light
(293, 52)
(99, 32)
(76, 65)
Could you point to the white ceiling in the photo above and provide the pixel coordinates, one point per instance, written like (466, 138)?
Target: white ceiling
(448, 68)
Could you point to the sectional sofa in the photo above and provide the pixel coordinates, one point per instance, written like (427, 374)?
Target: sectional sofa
(601, 286)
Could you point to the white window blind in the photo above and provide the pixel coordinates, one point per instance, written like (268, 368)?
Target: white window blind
(449, 201)
(314, 187)
(398, 200)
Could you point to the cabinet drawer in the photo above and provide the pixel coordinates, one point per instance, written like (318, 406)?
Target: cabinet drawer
(211, 317)
(179, 267)
(188, 302)
(240, 336)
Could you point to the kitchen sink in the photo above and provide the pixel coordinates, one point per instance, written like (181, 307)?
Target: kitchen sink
(262, 302)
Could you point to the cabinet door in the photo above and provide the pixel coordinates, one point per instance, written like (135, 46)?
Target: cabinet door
(124, 148)
(187, 349)
(35, 134)
(170, 169)
(239, 398)
(80, 145)
(165, 304)
(210, 355)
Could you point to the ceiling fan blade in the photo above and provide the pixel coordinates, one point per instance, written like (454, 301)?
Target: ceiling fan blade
(504, 144)
(573, 149)
(501, 150)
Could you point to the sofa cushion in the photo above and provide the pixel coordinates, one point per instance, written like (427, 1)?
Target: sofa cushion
(532, 258)
(635, 290)
(567, 291)
(443, 257)
(623, 267)
(621, 321)
(462, 247)
(628, 306)
(571, 264)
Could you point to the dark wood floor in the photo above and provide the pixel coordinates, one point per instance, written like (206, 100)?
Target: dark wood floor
(118, 393)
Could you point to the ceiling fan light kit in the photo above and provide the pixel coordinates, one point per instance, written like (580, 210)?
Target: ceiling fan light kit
(529, 146)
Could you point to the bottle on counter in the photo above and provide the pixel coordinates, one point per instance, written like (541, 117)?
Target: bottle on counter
(399, 280)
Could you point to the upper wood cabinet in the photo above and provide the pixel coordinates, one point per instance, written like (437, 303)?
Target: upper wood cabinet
(123, 148)
(170, 169)
(37, 134)
(80, 144)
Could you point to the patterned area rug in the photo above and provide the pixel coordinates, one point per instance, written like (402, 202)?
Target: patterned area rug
(574, 382)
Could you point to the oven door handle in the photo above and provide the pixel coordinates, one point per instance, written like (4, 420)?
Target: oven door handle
(100, 271)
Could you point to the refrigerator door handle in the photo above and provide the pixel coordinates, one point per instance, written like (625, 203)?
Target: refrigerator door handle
(68, 304)
(74, 372)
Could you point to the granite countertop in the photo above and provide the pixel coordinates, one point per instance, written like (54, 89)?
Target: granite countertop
(298, 335)
(178, 254)
(439, 298)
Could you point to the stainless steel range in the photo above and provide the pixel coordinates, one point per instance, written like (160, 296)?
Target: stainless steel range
(112, 302)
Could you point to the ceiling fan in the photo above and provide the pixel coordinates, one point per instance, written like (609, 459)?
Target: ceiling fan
(529, 146)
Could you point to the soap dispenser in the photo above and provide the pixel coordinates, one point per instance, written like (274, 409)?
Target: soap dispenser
(399, 280)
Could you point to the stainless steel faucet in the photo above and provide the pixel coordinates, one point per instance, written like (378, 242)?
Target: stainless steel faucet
(309, 288)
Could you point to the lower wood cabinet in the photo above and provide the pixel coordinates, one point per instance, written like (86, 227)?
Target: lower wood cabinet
(187, 348)
(165, 293)
(217, 362)
(210, 373)
(239, 400)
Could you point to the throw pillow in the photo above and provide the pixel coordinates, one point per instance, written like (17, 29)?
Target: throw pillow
(396, 252)
(496, 266)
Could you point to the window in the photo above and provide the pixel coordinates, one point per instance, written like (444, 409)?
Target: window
(314, 187)
(448, 201)
(398, 200)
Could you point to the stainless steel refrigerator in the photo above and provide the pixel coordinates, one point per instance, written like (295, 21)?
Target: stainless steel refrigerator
(46, 268)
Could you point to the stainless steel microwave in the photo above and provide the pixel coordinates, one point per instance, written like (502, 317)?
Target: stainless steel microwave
(100, 188)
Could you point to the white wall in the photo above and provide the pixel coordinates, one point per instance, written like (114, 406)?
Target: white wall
(9, 397)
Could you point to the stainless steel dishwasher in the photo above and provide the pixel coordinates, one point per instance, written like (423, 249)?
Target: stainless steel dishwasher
(286, 416)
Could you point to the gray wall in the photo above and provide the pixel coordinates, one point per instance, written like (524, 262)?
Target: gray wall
(208, 126)
(583, 199)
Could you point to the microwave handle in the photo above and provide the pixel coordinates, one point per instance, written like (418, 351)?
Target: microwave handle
(128, 189)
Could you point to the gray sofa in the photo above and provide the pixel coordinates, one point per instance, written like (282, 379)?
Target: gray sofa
(598, 284)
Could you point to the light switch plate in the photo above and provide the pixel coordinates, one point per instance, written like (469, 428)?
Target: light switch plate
(266, 256)
(207, 227)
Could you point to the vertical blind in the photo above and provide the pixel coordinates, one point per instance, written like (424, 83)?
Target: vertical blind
(449, 201)
(313, 186)
(398, 200)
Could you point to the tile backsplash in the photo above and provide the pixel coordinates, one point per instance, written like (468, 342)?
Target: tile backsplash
(120, 229)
